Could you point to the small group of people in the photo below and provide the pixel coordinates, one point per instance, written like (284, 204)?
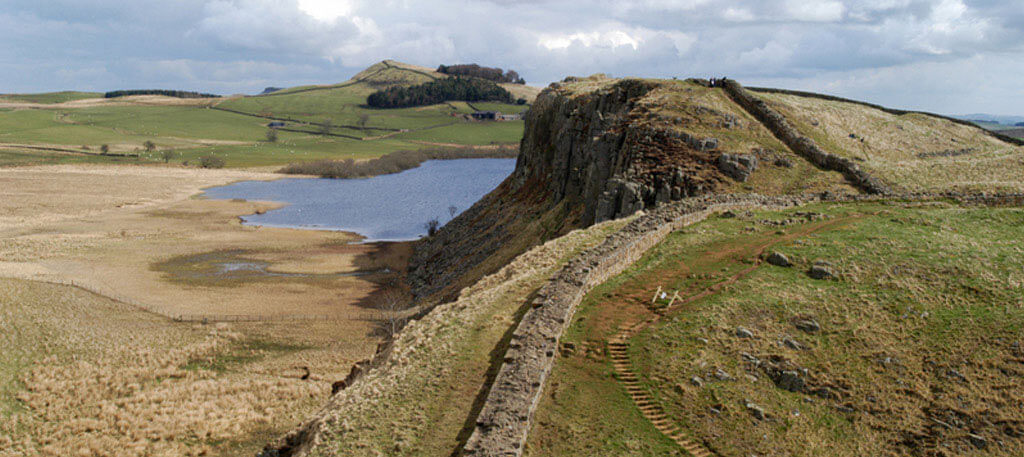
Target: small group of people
(717, 82)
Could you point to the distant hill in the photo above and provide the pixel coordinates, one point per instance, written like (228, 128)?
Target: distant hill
(52, 97)
(995, 118)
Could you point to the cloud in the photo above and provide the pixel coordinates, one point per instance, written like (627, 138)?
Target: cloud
(244, 45)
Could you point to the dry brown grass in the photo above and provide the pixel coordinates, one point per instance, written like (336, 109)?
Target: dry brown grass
(97, 377)
(889, 145)
(86, 376)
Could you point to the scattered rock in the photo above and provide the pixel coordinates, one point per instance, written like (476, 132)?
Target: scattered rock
(749, 358)
(808, 325)
(783, 162)
(742, 332)
(779, 259)
(680, 389)
(722, 375)
(791, 381)
(792, 344)
(750, 377)
(821, 272)
(978, 441)
(756, 411)
(737, 166)
(697, 381)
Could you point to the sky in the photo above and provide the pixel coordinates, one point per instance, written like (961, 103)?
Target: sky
(946, 56)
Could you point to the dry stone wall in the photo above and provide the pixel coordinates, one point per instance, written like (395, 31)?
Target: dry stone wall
(800, 144)
(504, 421)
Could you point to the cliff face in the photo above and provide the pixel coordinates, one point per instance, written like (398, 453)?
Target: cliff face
(586, 156)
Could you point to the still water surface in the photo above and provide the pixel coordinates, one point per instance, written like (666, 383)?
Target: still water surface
(391, 207)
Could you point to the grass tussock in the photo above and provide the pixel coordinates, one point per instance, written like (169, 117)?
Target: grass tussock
(394, 162)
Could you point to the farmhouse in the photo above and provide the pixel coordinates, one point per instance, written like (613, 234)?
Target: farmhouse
(276, 124)
(495, 116)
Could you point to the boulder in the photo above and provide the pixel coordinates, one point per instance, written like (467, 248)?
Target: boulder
(779, 259)
(791, 381)
(744, 333)
(756, 411)
(737, 166)
(808, 325)
(821, 272)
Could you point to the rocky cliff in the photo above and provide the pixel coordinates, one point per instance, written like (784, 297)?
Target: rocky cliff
(593, 150)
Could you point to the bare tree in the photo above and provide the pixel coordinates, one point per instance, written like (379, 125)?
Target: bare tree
(104, 149)
(149, 145)
(392, 315)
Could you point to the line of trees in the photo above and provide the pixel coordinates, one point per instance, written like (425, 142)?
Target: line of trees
(439, 91)
(476, 71)
(164, 92)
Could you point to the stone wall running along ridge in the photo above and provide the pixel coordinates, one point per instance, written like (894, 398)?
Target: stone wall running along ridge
(504, 421)
(801, 144)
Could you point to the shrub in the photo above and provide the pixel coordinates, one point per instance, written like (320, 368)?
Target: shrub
(272, 135)
(432, 226)
(149, 145)
(211, 161)
(104, 149)
(167, 155)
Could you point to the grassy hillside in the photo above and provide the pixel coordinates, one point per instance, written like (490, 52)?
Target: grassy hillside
(913, 151)
(51, 97)
(915, 348)
(322, 122)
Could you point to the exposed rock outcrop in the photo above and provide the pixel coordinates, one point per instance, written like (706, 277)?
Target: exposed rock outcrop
(585, 157)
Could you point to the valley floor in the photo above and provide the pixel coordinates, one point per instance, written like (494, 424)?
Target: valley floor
(141, 253)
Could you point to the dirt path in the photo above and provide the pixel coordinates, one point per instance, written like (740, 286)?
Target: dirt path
(618, 345)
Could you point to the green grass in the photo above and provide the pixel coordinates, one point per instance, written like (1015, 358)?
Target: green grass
(194, 131)
(470, 132)
(936, 288)
(52, 97)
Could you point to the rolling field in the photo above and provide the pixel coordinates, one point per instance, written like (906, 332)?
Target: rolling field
(76, 124)
(912, 348)
(51, 97)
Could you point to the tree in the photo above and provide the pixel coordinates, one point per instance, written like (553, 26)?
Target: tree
(149, 145)
(432, 226)
(104, 149)
(326, 126)
(391, 312)
(272, 135)
(363, 120)
(167, 155)
(211, 161)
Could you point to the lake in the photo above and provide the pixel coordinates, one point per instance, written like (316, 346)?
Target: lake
(392, 207)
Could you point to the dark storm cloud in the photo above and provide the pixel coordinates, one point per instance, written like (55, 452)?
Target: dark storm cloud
(913, 53)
